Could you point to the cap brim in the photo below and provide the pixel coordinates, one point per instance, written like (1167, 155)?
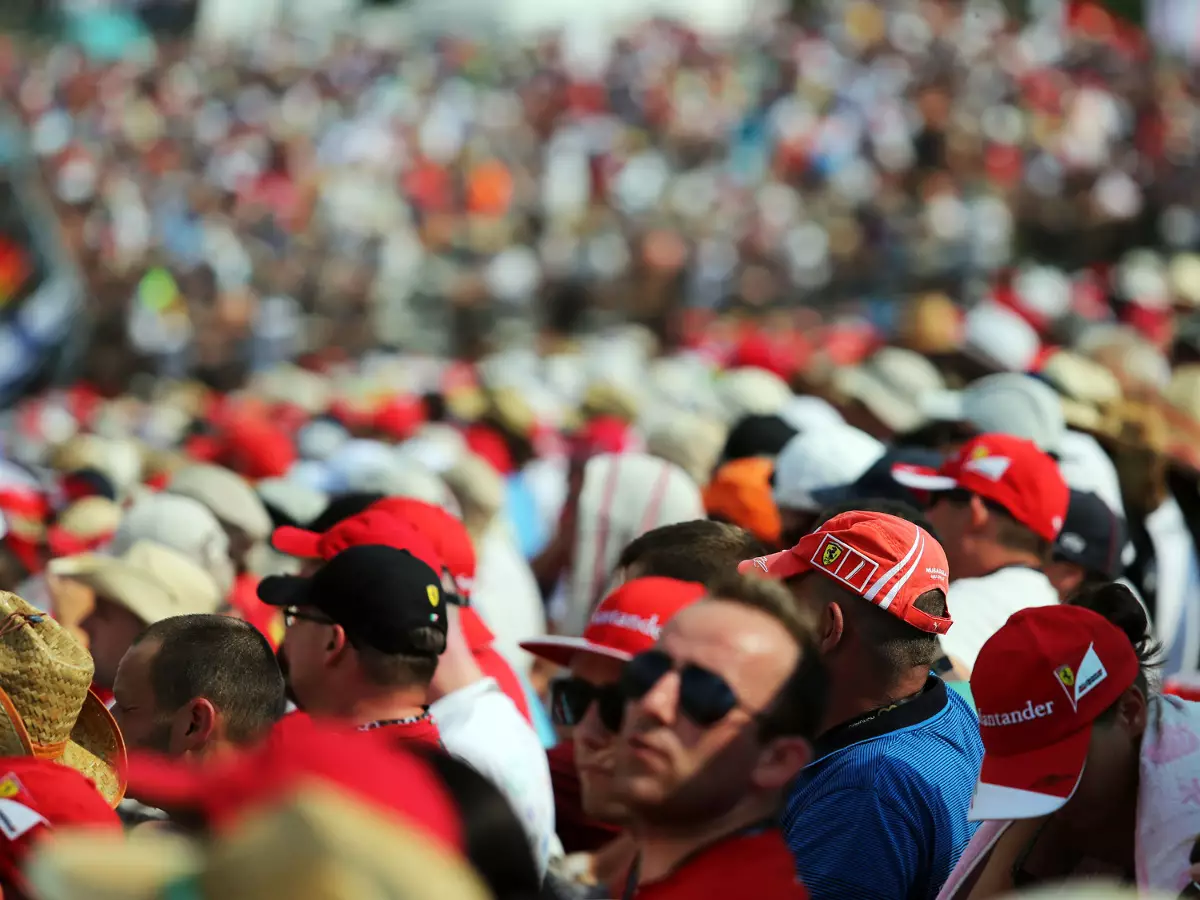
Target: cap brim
(943, 406)
(783, 564)
(296, 542)
(561, 650)
(283, 590)
(1033, 784)
(920, 478)
(831, 495)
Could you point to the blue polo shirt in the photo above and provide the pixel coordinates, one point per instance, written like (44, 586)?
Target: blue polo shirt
(881, 811)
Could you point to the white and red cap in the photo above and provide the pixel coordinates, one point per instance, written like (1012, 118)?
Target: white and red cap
(1008, 471)
(627, 622)
(1039, 683)
(884, 559)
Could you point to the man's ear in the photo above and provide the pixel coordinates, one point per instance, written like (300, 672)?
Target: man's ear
(193, 727)
(833, 627)
(780, 762)
(335, 645)
(980, 514)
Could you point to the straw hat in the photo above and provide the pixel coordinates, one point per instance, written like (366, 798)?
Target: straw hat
(319, 844)
(47, 708)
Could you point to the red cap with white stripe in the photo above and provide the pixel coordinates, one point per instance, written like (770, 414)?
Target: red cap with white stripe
(1010, 472)
(884, 559)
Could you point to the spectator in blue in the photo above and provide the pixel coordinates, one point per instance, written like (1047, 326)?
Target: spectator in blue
(881, 811)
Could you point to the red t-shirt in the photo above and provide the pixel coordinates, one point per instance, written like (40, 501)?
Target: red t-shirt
(578, 832)
(407, 731)
(756, 864)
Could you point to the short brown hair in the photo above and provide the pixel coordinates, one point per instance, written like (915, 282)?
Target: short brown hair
(701, 550)
(403, 670)
(799, 707)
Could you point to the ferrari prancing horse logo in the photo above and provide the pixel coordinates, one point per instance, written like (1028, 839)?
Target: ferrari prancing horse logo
(831, 554)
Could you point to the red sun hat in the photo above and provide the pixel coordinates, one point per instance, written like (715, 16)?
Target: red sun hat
(884, 559)
(1039, 683)
(1009, 471)
(627, 622)
(447, 534)
(298, 751)
(371, 526)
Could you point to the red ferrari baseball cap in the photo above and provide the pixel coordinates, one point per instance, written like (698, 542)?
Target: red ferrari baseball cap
(1039, 683)
(298, 751)
(36, 796)
(1008, 471)
(626, 623)
(884, 559)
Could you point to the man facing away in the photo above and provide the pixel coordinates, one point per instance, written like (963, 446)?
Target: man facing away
(197, 685)
(718, 721)
(881, 811)
(999, 504)
(364, 634)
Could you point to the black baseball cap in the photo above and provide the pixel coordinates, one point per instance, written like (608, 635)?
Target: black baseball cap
(877, 482)
(1093, 536)
(379, 595)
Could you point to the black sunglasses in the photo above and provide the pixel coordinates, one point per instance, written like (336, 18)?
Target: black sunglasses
(704, 697)
(570, 699)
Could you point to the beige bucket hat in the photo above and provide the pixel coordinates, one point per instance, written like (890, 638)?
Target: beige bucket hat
(150, 580)
(47, 708)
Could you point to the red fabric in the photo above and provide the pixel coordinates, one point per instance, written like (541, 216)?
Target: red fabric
(371, 526)
(298, 749)
(578, 832)
(879, 557)
(62, 543)
(603, 434)
(1039, 683)
(60, 795)
(447, 534)
(103, 694)
(420, 734)
(479, 639)
(728, 867)
(487, 442)
(244, 598)
(257, 449)
(1009, 471)
(400, 417)
(626, 622)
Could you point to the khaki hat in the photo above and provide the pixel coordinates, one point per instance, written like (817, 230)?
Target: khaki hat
(47, 708)
(152, 581)
(185, 526)
(227, 495)
(309, 390)
(90, 517)
(1087, 388)
(118, 460)
(318, 844)
(1183, 392)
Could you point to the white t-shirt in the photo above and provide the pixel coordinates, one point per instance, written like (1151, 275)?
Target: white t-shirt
(482, 727)
(979, 606)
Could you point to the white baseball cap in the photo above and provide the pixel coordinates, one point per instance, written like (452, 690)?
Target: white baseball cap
(819, 459)
(1007, 403)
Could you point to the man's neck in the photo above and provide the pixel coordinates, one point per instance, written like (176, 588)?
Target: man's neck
(662, 848)
(855, 696)
(990, 559)
(384, 707)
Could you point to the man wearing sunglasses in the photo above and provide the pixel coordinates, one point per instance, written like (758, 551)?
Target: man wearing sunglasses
(588, 703)
(718, 721)
(882, 809)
